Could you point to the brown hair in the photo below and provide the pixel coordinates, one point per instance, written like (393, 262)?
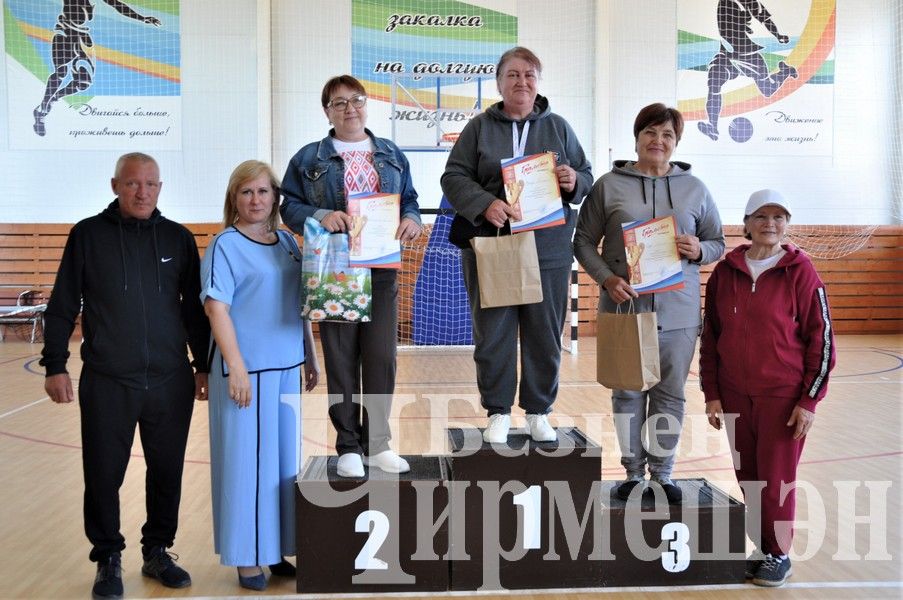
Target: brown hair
(521, 53)
(243, 173)
(335, 82)
(657, 114)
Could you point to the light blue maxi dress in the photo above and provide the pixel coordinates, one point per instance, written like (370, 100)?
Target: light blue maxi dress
(255, 451)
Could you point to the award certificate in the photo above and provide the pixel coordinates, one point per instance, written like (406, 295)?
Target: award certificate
(653, 262)
(371, 241)
(531, 180)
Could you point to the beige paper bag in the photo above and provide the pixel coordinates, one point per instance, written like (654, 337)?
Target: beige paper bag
(627, 355)
(507, 270)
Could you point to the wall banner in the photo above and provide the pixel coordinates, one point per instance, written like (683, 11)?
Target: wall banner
(430, 63)
(93, 74)
(756, 77)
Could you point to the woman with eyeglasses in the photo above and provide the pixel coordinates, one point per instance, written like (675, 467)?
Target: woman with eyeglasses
(250, 287)
(521, 124)
(360, 357)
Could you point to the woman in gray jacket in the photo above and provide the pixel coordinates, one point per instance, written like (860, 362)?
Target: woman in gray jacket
(647, 188)
(520, 125)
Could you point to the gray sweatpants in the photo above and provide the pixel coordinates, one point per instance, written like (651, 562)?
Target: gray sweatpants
(496, 332)
(644, 434)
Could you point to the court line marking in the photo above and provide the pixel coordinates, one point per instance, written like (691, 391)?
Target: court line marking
(14, 359)
(663, 589)
(24, 407)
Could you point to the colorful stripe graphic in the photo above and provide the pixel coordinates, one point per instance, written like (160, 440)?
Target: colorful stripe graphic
(423, 37)
(124, 66)
(809, 56)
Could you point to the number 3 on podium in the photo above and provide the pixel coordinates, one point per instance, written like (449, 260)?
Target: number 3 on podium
(677, 557)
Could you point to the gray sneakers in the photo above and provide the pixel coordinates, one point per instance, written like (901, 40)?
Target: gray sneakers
(773, 571)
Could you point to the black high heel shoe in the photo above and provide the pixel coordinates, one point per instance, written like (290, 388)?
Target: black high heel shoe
(283, 568)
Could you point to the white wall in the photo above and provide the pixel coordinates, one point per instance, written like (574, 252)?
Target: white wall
(603, 61)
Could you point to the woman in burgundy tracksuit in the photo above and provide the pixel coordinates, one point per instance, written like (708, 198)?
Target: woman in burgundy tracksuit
(767, 349)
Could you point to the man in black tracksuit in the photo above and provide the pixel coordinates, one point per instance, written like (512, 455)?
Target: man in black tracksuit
(134, 276)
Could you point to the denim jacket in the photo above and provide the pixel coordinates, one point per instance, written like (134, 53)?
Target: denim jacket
(314, 184)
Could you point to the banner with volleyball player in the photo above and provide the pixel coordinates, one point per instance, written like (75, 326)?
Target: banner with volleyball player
(93, 74)
(756, 76)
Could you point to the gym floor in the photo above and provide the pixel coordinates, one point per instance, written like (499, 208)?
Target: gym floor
(848, 534)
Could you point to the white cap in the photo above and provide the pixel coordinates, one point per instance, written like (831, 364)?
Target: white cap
(765, 198)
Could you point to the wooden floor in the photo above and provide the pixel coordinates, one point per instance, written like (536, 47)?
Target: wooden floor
(852, 459)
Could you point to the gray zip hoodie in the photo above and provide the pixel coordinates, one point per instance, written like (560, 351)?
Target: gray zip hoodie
(625, 194)
(473, 175)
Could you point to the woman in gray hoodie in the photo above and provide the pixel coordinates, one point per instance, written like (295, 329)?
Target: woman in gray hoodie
(520, 125)
(651, 187)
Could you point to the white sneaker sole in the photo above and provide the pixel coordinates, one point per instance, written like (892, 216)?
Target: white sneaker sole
(375, 465)
(766, 583)
(349, 475)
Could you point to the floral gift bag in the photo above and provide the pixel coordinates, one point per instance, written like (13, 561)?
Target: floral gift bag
(333, 291)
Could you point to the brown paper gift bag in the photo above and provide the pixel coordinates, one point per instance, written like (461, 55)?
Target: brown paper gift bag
(507, 270)
(627, 350)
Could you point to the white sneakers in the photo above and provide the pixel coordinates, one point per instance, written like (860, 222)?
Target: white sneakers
(352, 464)
(539, 429)
(497, 430)
(388, 461)
(537, 426)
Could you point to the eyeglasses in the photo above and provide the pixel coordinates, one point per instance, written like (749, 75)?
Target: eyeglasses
(340, 104)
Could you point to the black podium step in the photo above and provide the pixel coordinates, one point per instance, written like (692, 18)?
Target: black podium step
(374, 534)
(511, 490)
(700, 541)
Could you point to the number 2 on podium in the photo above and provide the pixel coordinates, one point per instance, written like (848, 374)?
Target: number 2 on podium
(366, 558)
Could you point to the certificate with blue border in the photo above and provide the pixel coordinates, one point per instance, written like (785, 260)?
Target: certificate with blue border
(531, 182)
(653, 262)
(374, 223)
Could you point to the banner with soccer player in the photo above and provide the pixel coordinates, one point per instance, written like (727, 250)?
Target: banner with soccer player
(756, 77)
(93, 74)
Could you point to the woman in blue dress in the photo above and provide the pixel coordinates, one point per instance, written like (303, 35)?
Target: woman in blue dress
(250, 287)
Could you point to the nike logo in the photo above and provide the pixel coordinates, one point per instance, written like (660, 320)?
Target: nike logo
(165, 260)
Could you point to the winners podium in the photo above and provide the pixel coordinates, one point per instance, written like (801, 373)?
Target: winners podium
(512, 489)
(521, 515)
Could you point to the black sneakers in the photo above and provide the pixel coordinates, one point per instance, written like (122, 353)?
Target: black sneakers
(160, 565)
(673, 493)
(625, 487)
(773, 571)
(108, 582)
(753, 562)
